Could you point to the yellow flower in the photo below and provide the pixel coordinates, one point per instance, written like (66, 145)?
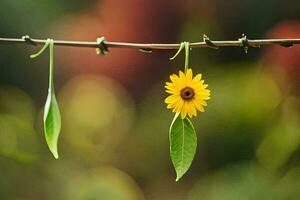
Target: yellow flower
(188, 94)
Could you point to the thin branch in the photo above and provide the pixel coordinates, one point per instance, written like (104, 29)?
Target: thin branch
(148, 46)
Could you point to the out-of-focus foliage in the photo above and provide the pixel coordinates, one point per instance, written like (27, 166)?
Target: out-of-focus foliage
(114, 140)
(246, 181)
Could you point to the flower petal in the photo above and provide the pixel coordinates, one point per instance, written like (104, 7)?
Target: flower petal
(189, 75)
(170, 91)
(191, 110)
(197, 78)
(171, 98)
(174, 78)
(184, 110)
(178, 106)
(198, 105)
(181, 76)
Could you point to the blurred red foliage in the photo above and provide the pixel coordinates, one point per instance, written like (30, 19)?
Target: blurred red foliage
(287, 59)
(130, 21)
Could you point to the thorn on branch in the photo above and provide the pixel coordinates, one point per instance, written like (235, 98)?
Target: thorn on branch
(208, 42)
(146, 50)
(287, 44)
(102, 47)
(244, 42)
(28, 40)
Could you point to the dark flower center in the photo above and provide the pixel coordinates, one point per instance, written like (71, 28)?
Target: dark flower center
(187, 93)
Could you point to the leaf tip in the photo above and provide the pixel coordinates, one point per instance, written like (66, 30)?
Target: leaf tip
(177, 178)
(55, 154)
(179, 175)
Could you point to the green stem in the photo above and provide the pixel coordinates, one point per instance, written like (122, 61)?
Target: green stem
(51, 57)
(182, 45)
(186, 46)
(187, 52)
(49, 43)
(42, 49)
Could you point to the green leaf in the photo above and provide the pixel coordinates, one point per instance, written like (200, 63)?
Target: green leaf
(52, 123)
(183, 144)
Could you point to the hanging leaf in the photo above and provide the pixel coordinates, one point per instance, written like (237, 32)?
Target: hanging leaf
(183, 144)
(52, 123)
(52, 119)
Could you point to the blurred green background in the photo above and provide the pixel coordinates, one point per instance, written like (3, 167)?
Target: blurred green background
(114, 140)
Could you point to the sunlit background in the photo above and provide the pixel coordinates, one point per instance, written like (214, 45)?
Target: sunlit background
(114, 140)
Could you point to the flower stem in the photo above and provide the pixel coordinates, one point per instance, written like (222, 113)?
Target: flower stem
(187, 52)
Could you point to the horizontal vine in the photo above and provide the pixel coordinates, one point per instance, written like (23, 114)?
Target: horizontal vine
(148, 47)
